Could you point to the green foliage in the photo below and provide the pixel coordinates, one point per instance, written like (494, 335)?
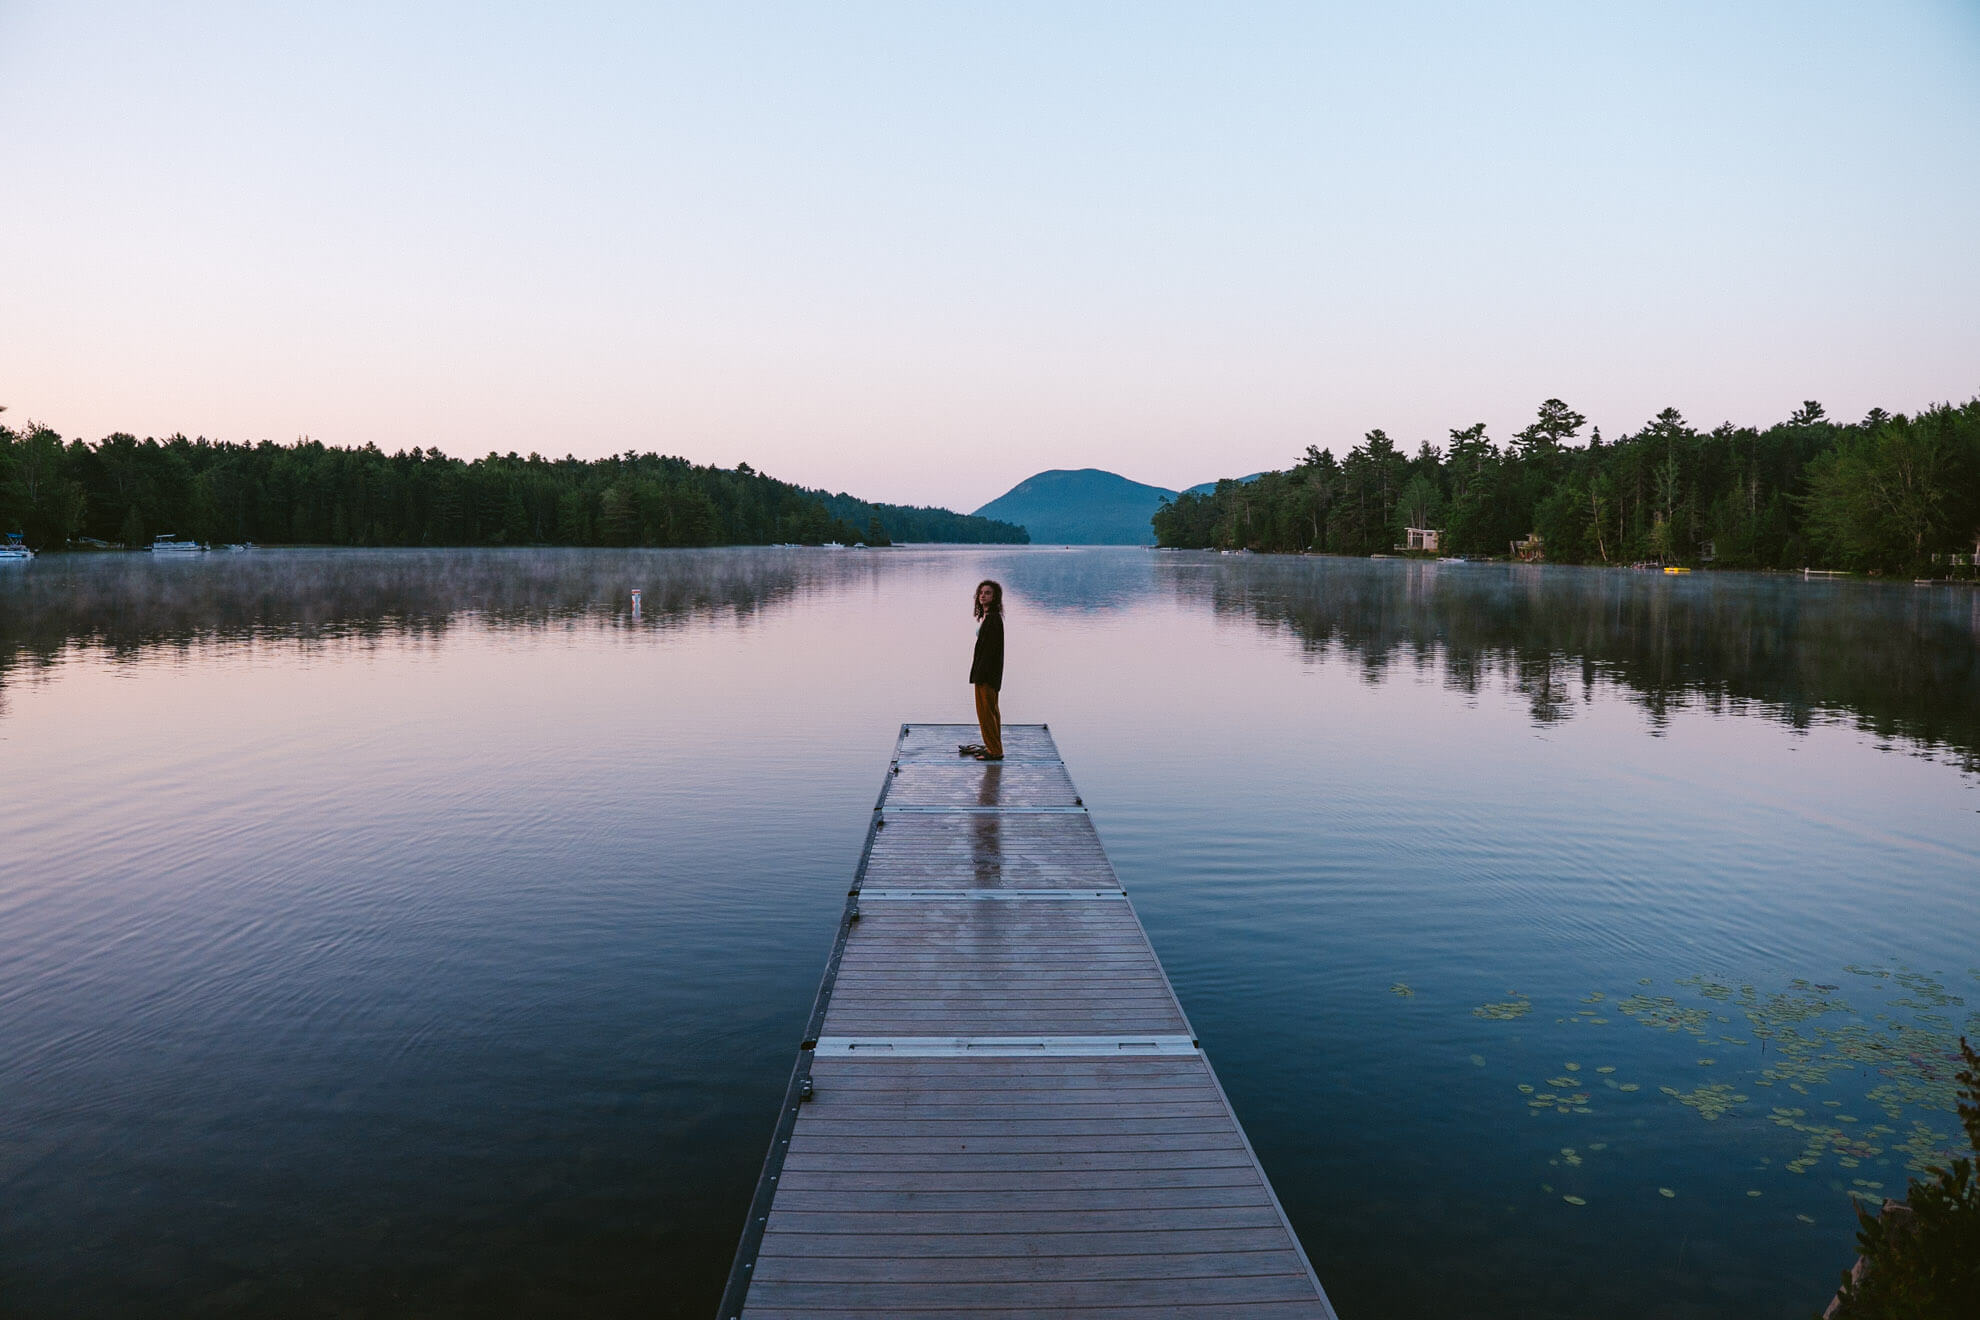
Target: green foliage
(37, 495)
(1550, 433)
(1923, 1262)
(127, 490)
(1884, 495)
(899, 522)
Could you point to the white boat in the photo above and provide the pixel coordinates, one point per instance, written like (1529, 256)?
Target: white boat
(14, 551)
(168, 544)
(239, 547)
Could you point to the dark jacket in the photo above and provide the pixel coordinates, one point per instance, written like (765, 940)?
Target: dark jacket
(988, 665)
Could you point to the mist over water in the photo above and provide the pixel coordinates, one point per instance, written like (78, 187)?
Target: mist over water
(425, 932)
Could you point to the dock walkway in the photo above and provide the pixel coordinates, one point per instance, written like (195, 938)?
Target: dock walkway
(1000, 1109)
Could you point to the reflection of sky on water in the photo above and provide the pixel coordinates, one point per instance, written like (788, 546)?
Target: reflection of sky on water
(423, 926)
(1896, 661)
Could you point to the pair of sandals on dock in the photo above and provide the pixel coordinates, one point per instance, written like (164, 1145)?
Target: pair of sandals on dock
(976, 750)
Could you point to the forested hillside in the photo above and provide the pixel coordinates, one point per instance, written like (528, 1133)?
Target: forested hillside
(1883, 494)
(125, 490)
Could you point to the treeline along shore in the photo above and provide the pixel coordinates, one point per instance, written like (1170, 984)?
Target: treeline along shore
(1887, 494)
(122, 490)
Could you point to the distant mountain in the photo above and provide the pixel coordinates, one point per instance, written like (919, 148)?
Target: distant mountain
(1209, 487)
(1080, 507)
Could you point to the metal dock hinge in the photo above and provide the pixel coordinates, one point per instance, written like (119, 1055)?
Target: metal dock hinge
(804, 1089)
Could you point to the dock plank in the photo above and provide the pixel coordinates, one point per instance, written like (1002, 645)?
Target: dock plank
(971, 850)
(938, 742)
(947, 1179)
(929, 1164)
(1018, 1247)
(1041, 1295)
(1316, 1310)
(994, 1269)
(981, 784)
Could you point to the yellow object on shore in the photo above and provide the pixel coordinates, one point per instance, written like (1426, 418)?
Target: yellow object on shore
(1676, 570)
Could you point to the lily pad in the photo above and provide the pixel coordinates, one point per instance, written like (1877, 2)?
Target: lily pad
(1506, 1009)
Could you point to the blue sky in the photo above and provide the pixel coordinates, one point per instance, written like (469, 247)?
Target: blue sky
(919, 251)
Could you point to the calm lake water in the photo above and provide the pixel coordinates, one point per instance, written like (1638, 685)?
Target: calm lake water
(423, 933)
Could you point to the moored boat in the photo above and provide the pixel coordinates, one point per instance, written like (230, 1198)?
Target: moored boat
(169, 544)
(13, 550)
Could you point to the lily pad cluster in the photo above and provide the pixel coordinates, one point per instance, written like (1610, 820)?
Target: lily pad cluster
(1505, 1010)
(1808, 1036)
(1711, 1099)
(1849, 1140)
(1562, 1095)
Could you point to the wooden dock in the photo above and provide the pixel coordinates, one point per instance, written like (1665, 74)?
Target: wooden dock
(999, 1109)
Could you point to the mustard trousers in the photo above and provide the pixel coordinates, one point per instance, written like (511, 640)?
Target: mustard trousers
(989, 720)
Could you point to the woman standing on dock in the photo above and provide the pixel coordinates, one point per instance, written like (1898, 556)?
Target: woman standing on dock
(986, 669)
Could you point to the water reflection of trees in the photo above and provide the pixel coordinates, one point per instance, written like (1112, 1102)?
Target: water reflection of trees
(1896, 660)
(124, 605)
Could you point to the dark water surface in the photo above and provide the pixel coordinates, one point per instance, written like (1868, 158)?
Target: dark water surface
(421, 933)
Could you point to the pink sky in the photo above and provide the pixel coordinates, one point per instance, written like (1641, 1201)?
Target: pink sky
(919, 254)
